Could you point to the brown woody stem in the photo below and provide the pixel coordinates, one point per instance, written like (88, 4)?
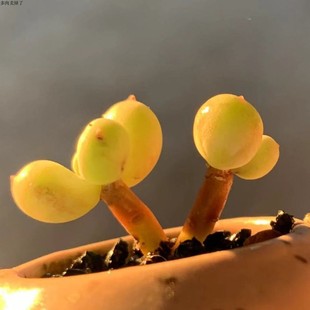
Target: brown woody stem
(134, 215)
(208, 206)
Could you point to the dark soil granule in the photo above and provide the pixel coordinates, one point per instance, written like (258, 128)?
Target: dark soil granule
(284, 222)
(189, 248)
(218, 241)
(118, 256)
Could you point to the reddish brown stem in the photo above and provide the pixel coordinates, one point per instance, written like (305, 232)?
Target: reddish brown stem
(134, 215)
(208, 206)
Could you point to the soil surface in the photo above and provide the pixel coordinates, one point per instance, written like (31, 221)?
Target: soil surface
(123, 255)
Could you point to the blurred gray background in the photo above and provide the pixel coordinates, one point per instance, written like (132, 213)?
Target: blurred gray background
(62, 63)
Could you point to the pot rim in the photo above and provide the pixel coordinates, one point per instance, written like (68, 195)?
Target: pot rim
(47, 263)
(251, 277)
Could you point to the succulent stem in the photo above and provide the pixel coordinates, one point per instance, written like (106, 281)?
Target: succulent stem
(134, 215)
(208, 206)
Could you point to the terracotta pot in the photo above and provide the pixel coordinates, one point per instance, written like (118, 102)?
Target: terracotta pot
(274, 274)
